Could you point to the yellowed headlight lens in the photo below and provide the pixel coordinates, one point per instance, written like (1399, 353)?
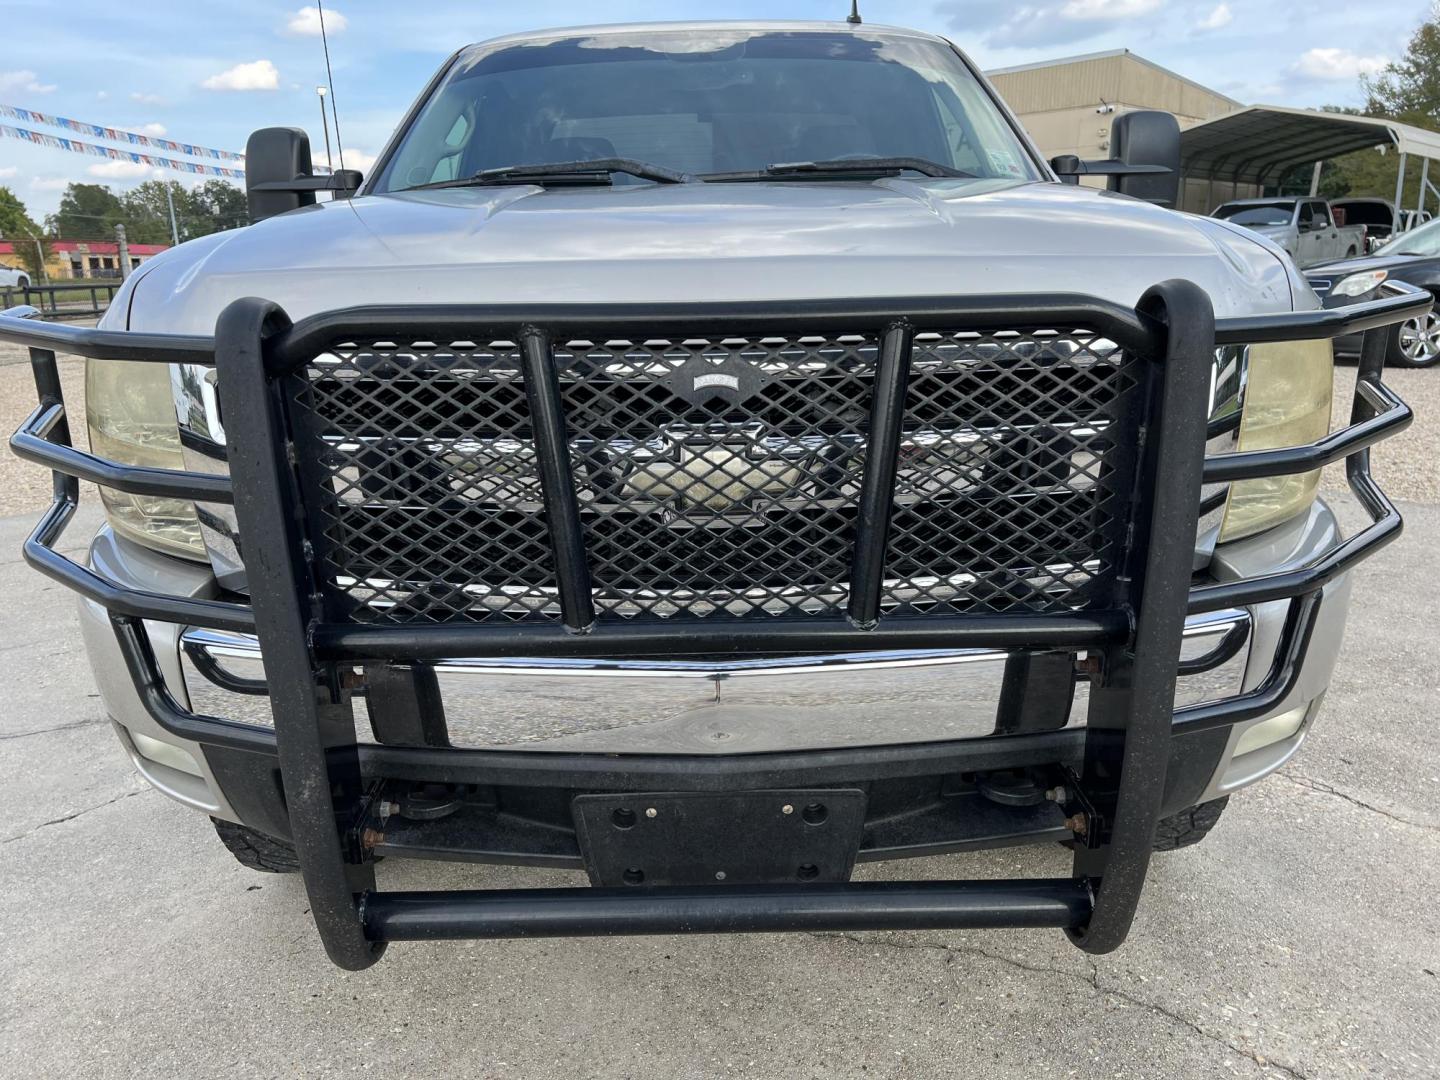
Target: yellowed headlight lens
(1288, 391)
(130, 412)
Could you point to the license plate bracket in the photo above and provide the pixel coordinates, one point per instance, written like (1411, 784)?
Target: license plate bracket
(734, 838)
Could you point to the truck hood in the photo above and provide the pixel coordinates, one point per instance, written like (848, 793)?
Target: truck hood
(695, 242)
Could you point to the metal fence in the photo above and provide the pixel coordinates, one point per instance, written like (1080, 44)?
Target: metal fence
(70, 301)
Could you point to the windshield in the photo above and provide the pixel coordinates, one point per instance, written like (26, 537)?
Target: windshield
(1250, 214)
(712, 100)
(1422, 241)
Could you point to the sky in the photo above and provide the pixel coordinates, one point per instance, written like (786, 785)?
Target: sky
(211, 71)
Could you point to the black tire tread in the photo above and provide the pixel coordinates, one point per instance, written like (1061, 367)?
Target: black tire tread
(1189, 826)
(256, 850)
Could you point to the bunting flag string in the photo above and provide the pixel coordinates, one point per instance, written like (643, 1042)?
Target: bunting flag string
(76, 146)
(134, 138)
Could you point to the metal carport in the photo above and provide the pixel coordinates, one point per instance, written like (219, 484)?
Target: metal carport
(1256, 145)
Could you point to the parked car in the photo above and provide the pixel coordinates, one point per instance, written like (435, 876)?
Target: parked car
(1412, 257)
(14, 278)
(711, 455)
(1378, 218)
(1306, 228)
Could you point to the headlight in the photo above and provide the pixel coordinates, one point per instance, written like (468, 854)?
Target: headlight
(130, 412)
(1359, 284)
(1288, 386)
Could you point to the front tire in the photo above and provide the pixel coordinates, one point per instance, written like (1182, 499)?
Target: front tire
(1415, 343)
(255, 850)
(1188, 826)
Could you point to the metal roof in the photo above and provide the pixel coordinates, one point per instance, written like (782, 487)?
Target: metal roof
(1256, 145)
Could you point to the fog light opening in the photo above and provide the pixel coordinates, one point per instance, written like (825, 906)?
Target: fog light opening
(1272, 730)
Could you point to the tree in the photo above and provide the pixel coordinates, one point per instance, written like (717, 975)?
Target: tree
(146, 211)
(17, 226)
(213, 206)
(86, 212)
(220, 205)
(1408, 89)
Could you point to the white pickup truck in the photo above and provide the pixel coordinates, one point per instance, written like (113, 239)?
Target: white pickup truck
(1304, 227)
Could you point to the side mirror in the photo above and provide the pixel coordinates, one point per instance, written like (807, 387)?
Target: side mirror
(1147, 138)
(1146, 164)
(279, 175)
(276, 157)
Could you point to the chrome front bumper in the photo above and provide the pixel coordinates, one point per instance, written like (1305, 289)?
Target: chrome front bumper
(727, 707)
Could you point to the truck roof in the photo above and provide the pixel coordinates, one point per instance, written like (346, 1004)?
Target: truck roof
(790, 26)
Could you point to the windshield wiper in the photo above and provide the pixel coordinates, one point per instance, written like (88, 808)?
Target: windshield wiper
(844, 168)
(597, 171)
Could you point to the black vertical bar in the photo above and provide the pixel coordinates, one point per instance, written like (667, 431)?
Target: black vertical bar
(1370, 367)
(557, 482)
(1139, 693)
(877, 490)
(314, 727)
(50, 391)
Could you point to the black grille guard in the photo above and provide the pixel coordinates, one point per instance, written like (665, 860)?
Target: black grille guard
(326, 773)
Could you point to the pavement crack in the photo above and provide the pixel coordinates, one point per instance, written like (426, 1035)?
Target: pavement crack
(1329, 789)
(1090, 979)
(71, 817)
(73, 726)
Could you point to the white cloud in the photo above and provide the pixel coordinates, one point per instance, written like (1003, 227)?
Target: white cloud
(1108, 9)
(9, 172)
(148, 99)
(24, 81)
(155, 131)
(120, 170)
(1337, 64)
(102, 95)
(356, 159)
(49, 183)
(1221, 16)
(256, 75)
(306, 22)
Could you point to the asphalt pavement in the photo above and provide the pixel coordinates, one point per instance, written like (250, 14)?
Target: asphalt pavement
(1300, 940)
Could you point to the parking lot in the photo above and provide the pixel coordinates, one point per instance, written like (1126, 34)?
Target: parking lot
(1300, 940)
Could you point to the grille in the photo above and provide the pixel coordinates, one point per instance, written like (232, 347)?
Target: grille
(716, 476)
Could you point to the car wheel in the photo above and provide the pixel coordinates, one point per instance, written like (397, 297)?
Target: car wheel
(1416, 342)
(1350, 253)
(22, 283)
(1188, 826)
(257, 850)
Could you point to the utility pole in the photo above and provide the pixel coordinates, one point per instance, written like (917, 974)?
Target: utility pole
(170, 200)
(124, 251)
(325, 123)
(40, 256)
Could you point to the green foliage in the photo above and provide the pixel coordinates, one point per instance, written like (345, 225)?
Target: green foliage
(1408, 89)
(91, 212)
(87, 212)
(17, 226)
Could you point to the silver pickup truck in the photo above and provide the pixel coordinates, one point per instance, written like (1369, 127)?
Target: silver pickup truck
(1304, 227)
(710, 456)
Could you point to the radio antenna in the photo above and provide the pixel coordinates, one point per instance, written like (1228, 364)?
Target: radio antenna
(854, 17)
(330, 78)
